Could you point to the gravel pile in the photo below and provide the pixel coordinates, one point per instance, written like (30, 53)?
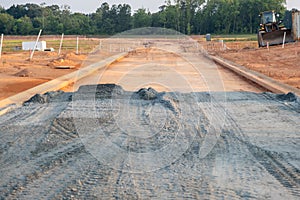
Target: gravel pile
(107, 143)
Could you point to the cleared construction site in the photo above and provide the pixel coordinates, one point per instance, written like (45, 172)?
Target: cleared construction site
(155, 117)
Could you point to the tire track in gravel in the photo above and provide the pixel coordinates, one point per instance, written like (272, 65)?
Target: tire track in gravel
(281, 170)
(41, 165)
(235, 142)
(222, 147)
(234, 168)
(61, 126)
(21, 113)
(285, 173)
(123, 184)
(32, 116)
(86, 184)
(51, 183)
(176, 186)
(51, 163)
(241, 170)
(33, 162)
(11, 123)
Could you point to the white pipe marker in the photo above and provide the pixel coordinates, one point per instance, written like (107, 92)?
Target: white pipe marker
(1, 44)
(61, 42)
(77, 44)
(37, 40)
(284, 35)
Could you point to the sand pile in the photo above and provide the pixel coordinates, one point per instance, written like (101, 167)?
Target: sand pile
(70, 59)
(63, 62)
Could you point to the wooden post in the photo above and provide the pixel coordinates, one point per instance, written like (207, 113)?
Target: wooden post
(61, 42)
(1, 44)
(37, 40)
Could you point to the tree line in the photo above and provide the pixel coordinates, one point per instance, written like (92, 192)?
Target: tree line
(185, 16)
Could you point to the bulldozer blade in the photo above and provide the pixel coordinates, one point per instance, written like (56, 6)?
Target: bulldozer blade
(274, 38)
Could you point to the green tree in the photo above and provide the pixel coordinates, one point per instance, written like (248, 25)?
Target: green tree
(124, 20)
(103, 20)
(80, 24)
(52, 25)
(249, 10)
(159, 19)
(172, 17)
(96, 19)
(33, 10)
(186, 16)
(141, 18)
(2, 9)
(233, 16)
(17, 11)
(6, 23)
(187, 12)
(24, 26)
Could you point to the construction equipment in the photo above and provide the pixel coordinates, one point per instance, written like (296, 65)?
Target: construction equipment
(272, 31)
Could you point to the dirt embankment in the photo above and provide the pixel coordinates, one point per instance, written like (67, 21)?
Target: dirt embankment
(281, 64)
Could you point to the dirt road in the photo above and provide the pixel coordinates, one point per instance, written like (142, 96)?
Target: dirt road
(168, 65)
(188, 138)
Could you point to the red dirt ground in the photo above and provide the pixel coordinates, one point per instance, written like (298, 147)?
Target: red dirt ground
(17, 73)
(282, 64)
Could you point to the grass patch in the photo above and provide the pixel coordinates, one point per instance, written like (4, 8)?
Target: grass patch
(235, 37)
(69, 44)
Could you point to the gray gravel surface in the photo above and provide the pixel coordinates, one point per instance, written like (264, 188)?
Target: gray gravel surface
(106, 143)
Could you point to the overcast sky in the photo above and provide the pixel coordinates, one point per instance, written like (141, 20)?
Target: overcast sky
(90, 6)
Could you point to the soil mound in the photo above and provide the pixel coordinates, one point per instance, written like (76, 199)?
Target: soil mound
(102, 91)
(147, 94)
(73, 56)
(62, 62)
(23, 73)
(43, 98)
(290, 97)
(69, 59)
